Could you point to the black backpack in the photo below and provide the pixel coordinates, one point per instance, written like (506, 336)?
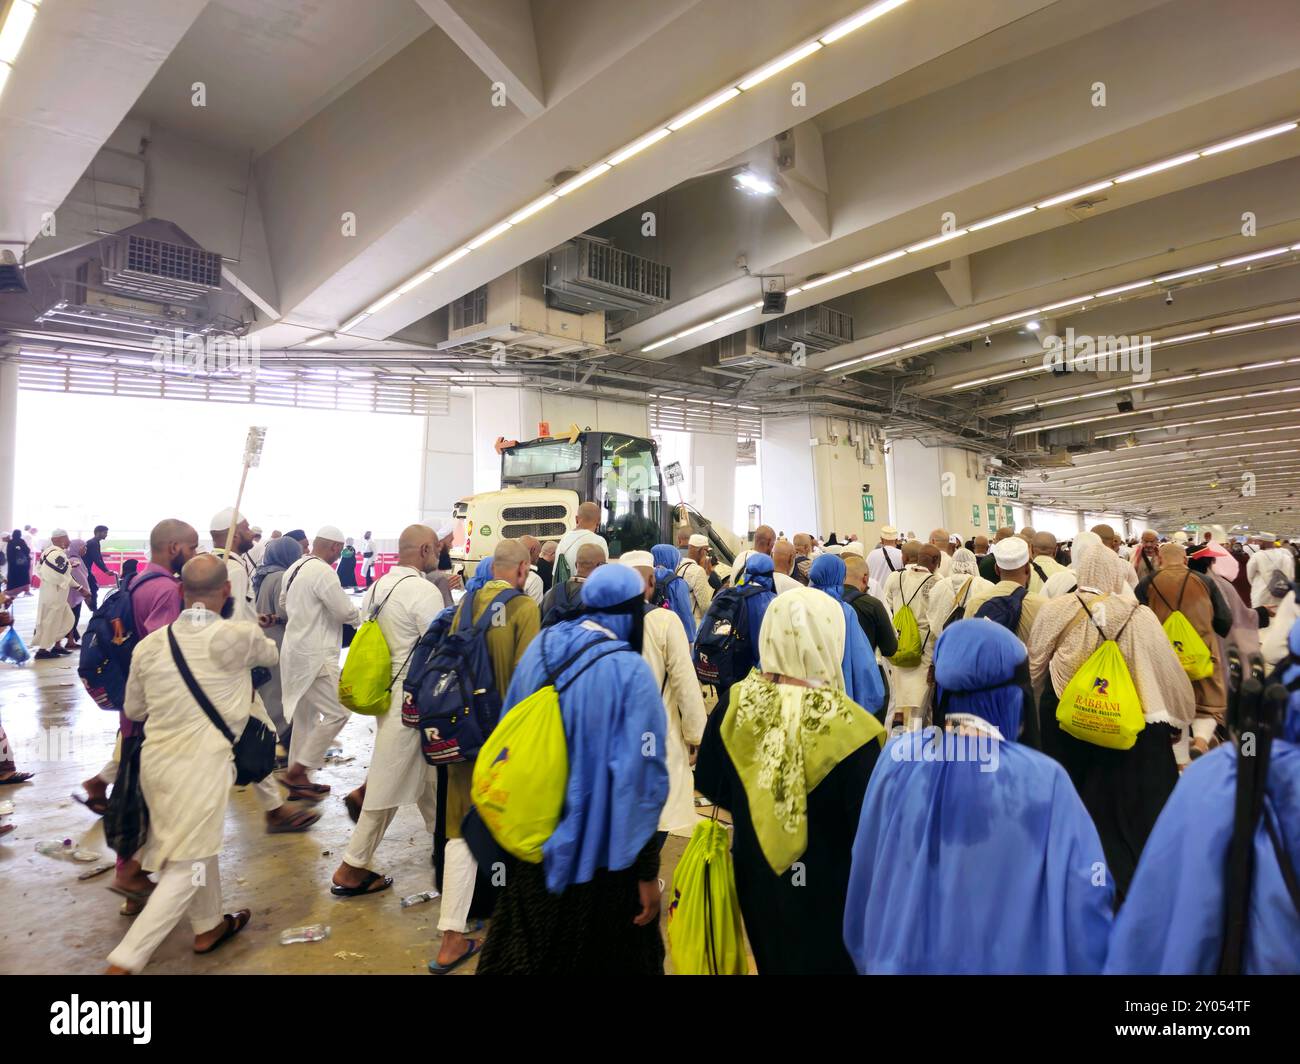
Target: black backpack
(566, 603)
(452, 698)
(110, 640)
(959, 610)
(724, 644)
(660, 595)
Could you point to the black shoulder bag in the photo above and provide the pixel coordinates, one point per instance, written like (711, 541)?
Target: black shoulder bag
(254, 749)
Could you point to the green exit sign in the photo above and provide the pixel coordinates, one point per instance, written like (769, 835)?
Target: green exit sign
(868, 507)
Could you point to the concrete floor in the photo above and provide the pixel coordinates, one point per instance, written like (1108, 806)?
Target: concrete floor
(52, 923)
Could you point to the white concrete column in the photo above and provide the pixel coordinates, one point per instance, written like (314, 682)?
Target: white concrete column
(447, 471)
(712, 481)
(917, 488)
(788, 475)
(8, 442)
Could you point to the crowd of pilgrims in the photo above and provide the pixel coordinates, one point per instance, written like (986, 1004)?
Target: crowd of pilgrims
(889, 811)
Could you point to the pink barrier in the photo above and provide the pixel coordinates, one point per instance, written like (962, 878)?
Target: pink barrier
(115, 558)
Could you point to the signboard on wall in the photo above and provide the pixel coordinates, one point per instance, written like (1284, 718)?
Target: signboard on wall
(868, 507)
(673, 473)
(1009, 519)
(975, 515)
(1004, 487)
(993, 516)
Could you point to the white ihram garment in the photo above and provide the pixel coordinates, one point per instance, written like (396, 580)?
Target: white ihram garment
(666, 650)
(53, 614)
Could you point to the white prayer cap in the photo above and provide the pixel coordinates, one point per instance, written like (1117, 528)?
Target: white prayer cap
(1011, 553)
(331, 533)
(889, 532)
(1180, 538)
(698, 539)
(637, 559)
(955, 538)
(443, 531)
(855, 547)
(256, 530)
(222, 519)
(58, 532)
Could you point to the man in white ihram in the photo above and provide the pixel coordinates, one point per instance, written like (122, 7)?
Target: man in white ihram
(281, 816)
(187, 765)
(317, 608)
(53, 614)
(406, 603)
(883, 560)
(585, 521)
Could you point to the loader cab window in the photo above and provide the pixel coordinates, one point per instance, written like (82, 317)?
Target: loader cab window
(541, 459)
(627, 490)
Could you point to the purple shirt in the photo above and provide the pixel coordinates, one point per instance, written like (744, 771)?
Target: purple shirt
(155, 603)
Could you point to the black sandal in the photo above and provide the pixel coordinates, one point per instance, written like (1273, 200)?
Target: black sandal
(234, 923)
(363, 887)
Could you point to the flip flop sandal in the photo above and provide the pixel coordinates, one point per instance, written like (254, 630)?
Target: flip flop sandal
(296, 823)
(363, 887)
(98, 806)
(475, 948)
(133, 898)
(353, 807)
(17, 777)
(6, 828)
(307, 792)
(234, 923)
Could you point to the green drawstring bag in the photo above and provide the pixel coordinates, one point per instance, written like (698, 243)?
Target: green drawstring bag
(705, 932)
(1100, 704)
(910, 644)
(367, 675)
(1193, 654)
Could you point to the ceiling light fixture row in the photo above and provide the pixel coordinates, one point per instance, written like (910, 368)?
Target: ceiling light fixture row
(841, 29)
(17, 23)
(1157, 409)
(1066, 197)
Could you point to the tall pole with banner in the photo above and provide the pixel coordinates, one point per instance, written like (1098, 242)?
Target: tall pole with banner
(253, 445)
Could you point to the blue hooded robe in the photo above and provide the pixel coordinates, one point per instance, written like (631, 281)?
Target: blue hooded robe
(614, 723)
(758, 571)
(1172, 919)
(862, 681)
(985, 865)
(679, 593)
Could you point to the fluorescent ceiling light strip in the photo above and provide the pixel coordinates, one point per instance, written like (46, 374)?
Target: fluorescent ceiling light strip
(793, 291)
(315, 341)
(447, 260)
(488, 234)
(863, 358)
(1000, 218)
(638, 146)
(16, 24)
(1256, 255)
(826, 280)
(1065, 303)
(415, 282)
(1236, 328)
(695, 328)
(853, 22)
(1184, 273)
(1155, 168)
(658, 343)
(1013, 317)
(1124, 288)
(1284, 318)
(382, 302)
(922, 343)
(968, 329)
(942, 238)
(351, 324)
(699, 110)
(777, 65)
(590, 174)
(889, 256)
(532, 208)
(1248, 138)
(1078, 193)
(739, 310)
(1185, 337)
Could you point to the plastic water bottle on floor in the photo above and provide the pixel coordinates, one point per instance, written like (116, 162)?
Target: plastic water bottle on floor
(310, 933)
(418, 899)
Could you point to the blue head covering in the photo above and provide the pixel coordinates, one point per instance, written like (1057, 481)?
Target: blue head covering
(613, 725)
(482, 574)
(827, 574)
(1183, 868)
(862, 681)
(758, 572)
(980, 667)
(279, 555)
(678, 594)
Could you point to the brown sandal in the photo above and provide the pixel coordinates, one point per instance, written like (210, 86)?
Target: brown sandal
(234, 923)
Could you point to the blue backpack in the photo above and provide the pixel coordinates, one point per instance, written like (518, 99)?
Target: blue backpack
(724, 651)
(109, 642)
(450, 692)
(1005, 609)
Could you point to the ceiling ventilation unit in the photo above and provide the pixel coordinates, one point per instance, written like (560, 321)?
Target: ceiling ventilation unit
(818, 328)
(739, 351)
(159, 269)
(589, 274)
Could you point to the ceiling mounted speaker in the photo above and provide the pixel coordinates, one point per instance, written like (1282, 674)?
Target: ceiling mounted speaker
(773, 302)
(1124, 406)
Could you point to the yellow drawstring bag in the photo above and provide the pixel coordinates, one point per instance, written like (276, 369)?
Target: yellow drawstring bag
(911, 647)
(521, 775)
(367, 675)
(1100, 704)
(1193, 654)
(705, 933)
